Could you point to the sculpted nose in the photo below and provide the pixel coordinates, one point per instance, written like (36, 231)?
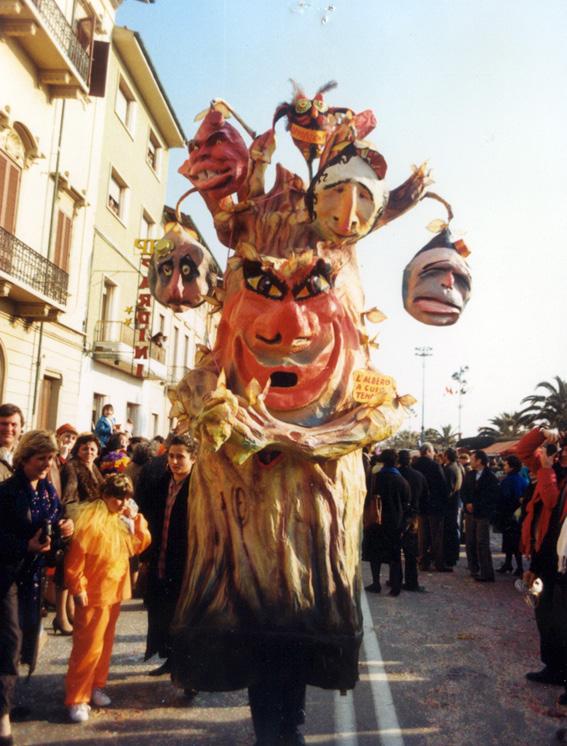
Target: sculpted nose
(346, 219)
(448, 280)
(175, 286)
(289, 327)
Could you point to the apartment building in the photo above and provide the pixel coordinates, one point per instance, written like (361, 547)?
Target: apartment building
(50, 119)
(140, 127)
(85, 133)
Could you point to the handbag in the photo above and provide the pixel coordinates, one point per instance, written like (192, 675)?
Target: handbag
(372, 515)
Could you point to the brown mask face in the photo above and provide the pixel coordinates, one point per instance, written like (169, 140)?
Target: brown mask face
(436, 286)
(182, 276)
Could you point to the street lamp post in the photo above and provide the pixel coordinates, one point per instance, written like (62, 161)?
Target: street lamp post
(459, 376)
(423, 353)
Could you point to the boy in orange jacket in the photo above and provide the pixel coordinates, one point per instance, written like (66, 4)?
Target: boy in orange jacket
(108, 532)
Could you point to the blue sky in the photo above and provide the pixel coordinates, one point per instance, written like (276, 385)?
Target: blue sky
(478, 90)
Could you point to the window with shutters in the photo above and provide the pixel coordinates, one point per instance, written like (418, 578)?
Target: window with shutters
(63, 241)
(117, 191)
(153, 152)
(10, 175)
(48, 403)
(125, 106)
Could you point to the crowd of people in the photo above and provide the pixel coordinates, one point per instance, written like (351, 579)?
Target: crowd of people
(424, 504)
(86, 517)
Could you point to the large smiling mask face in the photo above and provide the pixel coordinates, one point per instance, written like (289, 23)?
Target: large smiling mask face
(218, 158)
(436, 286)
(290, 328)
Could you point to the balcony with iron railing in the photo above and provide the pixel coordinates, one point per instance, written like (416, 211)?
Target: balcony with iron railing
(35, 284)
(61, 53)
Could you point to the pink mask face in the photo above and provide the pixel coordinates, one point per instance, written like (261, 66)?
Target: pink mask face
(290, 329)
(218, 158)
(436, 286)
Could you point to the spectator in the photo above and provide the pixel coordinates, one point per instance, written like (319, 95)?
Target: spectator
(540, 530)
(480, 496)
(512, 489)
(105, 425)
(28, 506)
(419, 495)
(164, 502)
(98, 576)
(431, 525)
(451, 534)
(66, 436)
(142, 452)
(80, 477)
(11, 425)
(382, 541)
(114, 458)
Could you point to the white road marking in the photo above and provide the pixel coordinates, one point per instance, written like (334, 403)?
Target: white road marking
(345, 720)
(388, 725)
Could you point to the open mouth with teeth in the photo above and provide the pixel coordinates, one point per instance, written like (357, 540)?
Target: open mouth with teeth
(208, 178)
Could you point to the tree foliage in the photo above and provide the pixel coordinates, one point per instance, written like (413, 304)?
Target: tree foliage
(548, 408)
(505, 426)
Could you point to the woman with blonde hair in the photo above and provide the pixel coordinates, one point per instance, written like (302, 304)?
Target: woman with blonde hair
(31, 525)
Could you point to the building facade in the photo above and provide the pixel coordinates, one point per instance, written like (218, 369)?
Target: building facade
(85, 133)
(48, 187)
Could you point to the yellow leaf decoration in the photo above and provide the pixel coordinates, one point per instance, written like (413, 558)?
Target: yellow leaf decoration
(407, 400)
(374, 315)
(253, 391)
(438, 225)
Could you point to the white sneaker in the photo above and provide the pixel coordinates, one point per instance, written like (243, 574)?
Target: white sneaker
(79, 713)
(100, 698)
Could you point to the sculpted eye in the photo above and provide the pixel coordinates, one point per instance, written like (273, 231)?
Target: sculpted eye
(320, 106)
(188, 269)
(302, 105)
(265, 285)
(166, 269)
(315, 284)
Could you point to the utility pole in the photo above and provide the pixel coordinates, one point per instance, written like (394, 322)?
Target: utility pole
(423, 353)
(459, 376)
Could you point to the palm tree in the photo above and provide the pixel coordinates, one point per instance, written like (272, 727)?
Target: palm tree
(402, 439)
(441, 438)
(549, 408)
(505, 426)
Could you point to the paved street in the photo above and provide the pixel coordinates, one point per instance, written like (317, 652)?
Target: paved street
(439, 669)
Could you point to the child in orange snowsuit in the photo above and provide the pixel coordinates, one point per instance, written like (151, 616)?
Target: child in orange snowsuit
(97, 574)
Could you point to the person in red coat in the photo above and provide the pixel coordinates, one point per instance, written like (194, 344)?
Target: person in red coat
(540, 531)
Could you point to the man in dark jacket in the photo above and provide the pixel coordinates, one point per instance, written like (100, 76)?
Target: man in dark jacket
(382, 542)
(454, 477)
(418, 504)
(431, 540)
(480, 495)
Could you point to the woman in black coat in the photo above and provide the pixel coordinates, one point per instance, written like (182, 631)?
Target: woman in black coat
(164, 506)
(383, 539)
(31, 525)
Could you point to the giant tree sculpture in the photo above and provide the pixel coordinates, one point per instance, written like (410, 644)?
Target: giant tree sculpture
(283, 404)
